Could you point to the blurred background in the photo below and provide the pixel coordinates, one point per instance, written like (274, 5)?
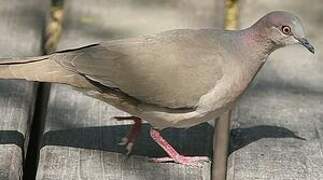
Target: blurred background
(51, 132)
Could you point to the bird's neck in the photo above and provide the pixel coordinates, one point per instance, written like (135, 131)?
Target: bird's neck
(253, 49)
(256, 39)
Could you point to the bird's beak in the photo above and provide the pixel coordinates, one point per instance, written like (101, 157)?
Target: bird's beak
(305, 43)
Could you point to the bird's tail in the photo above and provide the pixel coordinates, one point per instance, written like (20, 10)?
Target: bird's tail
(41, 69)
(30, 68)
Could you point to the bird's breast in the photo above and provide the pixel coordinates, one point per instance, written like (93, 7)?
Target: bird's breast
(226, 91)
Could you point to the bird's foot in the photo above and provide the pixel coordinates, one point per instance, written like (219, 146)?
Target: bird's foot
(129, 140)
(184, 160)
(128, 144)
(174, 156)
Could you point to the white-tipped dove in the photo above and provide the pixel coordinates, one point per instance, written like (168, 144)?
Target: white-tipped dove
(177, 78)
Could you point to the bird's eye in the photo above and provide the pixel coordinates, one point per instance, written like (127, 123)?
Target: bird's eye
(286, 29)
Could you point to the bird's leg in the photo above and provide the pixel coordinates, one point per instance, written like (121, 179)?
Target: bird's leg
(174, 156)
(129, 140)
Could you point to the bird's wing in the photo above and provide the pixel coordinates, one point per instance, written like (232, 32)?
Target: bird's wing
(172, 69)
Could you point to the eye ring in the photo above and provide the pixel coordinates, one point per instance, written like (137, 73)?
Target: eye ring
(286, 29)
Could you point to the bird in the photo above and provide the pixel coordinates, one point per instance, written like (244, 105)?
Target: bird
(177, 78)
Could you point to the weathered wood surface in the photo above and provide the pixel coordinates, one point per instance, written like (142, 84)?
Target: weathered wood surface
(20, 35)
(286, 102)
(80, 139)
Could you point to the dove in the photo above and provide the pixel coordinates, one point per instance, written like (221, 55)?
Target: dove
(176, 78)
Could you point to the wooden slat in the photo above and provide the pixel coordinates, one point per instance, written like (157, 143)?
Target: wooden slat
(21, 29)
(80, 139)
(286, 102)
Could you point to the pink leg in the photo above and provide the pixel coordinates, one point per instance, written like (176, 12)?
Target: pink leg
(174, 155)
(129, 140)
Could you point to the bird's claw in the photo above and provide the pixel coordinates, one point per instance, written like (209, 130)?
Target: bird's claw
(195, 161)
(129, 140)
(123, 141)
(128, 144)
(129, 148)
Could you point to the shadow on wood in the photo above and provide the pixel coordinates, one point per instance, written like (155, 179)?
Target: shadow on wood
(241, 137)
(186, 141)
(12, 137)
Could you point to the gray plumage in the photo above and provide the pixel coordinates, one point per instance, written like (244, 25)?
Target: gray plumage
(176, 78)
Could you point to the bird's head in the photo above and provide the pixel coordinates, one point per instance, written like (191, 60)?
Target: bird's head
(284, 29)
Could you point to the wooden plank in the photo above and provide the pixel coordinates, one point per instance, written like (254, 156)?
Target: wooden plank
(286, 102)
(222, 131)
(21, 30)
(80, 138)
(220, 146)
